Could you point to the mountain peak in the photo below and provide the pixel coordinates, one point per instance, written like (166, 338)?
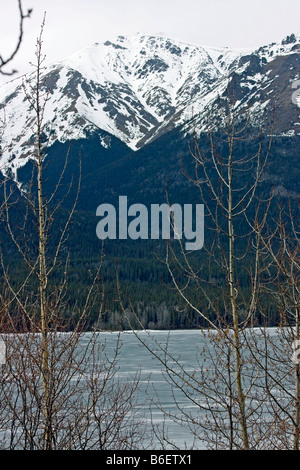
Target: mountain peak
(139, 87)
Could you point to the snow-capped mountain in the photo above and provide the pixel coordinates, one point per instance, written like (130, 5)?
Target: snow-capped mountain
(138, 88)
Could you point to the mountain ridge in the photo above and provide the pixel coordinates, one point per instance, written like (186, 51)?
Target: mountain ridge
(138, 88)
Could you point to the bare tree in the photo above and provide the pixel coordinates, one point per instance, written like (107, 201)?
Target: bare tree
(246, 385)
(59, 386)
(277, 352)
(228, 196)
(227, 177)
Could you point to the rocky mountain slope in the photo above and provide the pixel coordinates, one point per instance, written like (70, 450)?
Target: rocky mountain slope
(138, 88)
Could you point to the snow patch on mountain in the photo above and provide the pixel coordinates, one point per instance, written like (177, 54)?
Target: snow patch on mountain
(135, 88)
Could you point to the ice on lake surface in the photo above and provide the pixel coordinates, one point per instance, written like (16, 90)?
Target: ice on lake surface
(155, 389)
(160, 401)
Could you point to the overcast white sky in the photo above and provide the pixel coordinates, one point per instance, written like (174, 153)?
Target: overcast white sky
(74, 24)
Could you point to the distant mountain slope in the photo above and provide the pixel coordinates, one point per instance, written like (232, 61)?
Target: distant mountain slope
(128, 108)
(138, 88)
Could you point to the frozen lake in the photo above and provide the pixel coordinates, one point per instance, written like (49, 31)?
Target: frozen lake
(154, 387)
(159, 400)
(185, 346)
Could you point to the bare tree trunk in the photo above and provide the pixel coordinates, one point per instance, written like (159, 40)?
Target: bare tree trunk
(42, 247)
(235, 316)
